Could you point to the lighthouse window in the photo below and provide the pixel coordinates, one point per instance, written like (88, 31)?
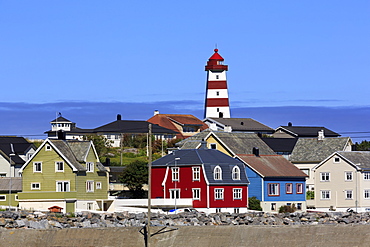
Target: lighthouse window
(217, 77)
(219, 62)
(217, 93)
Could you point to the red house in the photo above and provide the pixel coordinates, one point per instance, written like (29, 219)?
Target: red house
(213, 180)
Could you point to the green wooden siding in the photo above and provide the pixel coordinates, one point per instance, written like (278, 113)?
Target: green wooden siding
(13, 201)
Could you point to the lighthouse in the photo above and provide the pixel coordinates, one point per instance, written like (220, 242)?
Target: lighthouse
(217, 97)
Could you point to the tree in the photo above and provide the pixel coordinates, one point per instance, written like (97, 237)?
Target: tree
(134, 176)
(254, 203)
(101, 143)
(363, 146)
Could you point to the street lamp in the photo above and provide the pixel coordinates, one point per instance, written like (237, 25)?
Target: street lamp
(10, 173)
(177, 177)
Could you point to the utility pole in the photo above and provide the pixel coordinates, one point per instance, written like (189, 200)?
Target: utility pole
(149, 182)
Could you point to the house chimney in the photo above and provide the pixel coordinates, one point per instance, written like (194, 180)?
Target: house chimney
(119, 117)
(228, 129)
(321, 135)
(61, 135)
(256, 151)
(203, 144)
(107, 162)
(156, 112)
(290, 124)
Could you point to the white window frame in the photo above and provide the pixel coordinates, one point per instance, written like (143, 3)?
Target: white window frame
(90, 206)
(196, 173)
(3, 200)
(196, 193)
(217, 173)
(47, 147)
(35, 186)
(98, 185)
(348, 194)
(366, 175)
(89, 186)
(219, 193)
(35, 166)
(327, 194)
(65, 186)
(237, 194)
(366, 193)
(273, 189)
(336, 160)
(174, 193)
(90, 166)
(213, 146)
(324, 176)
(299, 188)
(175, 174)
(348, 176)
(57, 163)
(235, 174)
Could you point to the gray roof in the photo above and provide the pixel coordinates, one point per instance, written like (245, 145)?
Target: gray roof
(209, 158)
(359, 158)
(307, 131)
(237, 142)
(75, 152)
(16, 184)
(242, 124)
(314, 150)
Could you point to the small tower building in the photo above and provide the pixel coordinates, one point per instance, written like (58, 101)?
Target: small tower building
(217, 96)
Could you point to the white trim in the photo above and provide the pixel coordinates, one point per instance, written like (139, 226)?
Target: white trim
(35, 183)
(56, 166)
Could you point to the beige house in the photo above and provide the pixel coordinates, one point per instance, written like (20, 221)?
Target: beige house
(342, 182)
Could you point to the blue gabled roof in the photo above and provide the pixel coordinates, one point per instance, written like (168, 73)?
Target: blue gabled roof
(209, 158)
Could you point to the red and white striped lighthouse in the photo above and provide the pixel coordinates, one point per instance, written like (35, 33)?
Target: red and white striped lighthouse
(217, 97)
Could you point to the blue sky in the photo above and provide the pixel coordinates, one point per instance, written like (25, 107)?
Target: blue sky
(280, 54)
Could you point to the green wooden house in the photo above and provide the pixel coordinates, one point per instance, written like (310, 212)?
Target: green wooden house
(9, 189)
(67, 174)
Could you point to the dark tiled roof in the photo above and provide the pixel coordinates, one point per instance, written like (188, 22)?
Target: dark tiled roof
(272, 166)
(131, 126)
(20, 146)
(243, 124)
(314, 150)
(281, 144)
(359, 158)
(16, 184)
(67, 148)
(308, 131)
(237, 142)
(60, 119)
(13, 139)
(209, 158)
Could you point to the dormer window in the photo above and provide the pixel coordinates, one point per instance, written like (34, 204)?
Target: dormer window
(217, 173)
(235, 173)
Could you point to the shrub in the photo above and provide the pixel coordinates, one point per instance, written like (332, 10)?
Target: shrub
(287, 208)
(254, 203)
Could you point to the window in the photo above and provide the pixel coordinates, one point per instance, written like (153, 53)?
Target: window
(299, 206)
(217, 77)
(59, 166)
(299, 188)
(2, 175)
(324, 176)
(273, 206)
(175, 173)
(367, 194)
(273, 190)
(217, 173)
(289, 188)
(196, 173)
(37, 167)
(2, 197)
(236, 210)
(63, 186)
(89, 206)
(90, 166)
(174, 193)
(366, 175)
(218, 210)
(98, 185)
(47, 147)
(336, 159)
(348, 176)
(219, 194)
(237, 194)
(188, 129)
(35, 186)
(108, 137)
(89, 186)
(213, 146)
(217, 93)
(325, 194)
(196, 194)
(235, 173)
(348, 194)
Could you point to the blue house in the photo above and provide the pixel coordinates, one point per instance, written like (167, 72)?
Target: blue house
(275, 181)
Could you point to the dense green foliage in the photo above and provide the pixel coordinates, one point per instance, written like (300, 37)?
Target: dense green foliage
(363, 146)
(310, 195)
(287, 208)
(134, 176)
(254, 203)
(101, 143)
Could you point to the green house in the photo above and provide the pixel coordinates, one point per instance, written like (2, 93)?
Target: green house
(67, 174)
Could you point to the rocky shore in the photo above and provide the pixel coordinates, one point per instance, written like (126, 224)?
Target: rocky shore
(34, 220)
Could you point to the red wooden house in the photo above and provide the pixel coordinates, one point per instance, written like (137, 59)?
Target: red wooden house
(213, 180)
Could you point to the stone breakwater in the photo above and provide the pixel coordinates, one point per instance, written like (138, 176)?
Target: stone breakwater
(23, 219)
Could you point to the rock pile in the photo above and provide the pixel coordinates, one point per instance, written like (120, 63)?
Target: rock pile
(34, 220)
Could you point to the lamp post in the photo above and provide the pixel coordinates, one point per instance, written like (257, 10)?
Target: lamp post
(10, 173)
(176, 179)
